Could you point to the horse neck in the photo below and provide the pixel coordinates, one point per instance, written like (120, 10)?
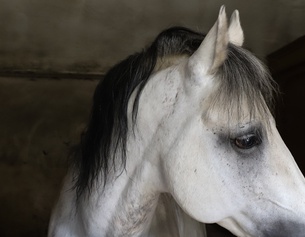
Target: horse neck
(137, 207)
(170, 220)
(126, 205)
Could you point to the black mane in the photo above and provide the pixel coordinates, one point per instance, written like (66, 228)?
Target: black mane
(107, 129)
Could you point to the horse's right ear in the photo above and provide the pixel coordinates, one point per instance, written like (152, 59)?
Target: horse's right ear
(212, 52)
(236, 34)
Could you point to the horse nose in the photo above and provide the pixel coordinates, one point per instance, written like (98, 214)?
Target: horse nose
(285, 228)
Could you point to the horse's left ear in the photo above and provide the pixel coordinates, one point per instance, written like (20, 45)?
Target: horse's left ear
(213, 50)
(236, 34)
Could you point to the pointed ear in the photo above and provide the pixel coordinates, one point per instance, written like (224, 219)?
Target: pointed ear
(236, 34)
(213, 50)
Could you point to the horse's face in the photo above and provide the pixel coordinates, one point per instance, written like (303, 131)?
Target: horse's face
(229, 168)
(242, 177)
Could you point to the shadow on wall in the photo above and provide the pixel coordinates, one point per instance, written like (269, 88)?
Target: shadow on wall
(40, 121)
(288, 69)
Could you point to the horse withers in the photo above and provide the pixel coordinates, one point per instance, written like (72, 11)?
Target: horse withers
(182, 134)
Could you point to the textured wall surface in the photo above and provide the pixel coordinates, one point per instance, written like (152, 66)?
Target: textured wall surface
(91, 35)
(39, 122)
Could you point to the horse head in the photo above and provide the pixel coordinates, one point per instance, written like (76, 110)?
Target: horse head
(221, 156)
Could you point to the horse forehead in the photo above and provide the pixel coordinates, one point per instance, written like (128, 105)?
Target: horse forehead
(222, 116)
(168, 61)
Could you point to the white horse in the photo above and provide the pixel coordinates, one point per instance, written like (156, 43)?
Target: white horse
(182, 134)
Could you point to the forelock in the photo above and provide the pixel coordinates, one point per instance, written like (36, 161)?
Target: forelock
(243, 82)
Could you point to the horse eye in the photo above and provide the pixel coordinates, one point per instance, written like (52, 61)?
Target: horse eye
(247, 141)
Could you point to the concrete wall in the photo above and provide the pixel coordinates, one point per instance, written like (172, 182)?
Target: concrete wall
(91, 35)
(39, 122)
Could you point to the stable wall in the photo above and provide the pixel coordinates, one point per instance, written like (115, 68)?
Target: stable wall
(40, 121)
(91, 35)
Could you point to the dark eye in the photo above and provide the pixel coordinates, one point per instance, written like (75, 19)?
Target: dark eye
(247, 141)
